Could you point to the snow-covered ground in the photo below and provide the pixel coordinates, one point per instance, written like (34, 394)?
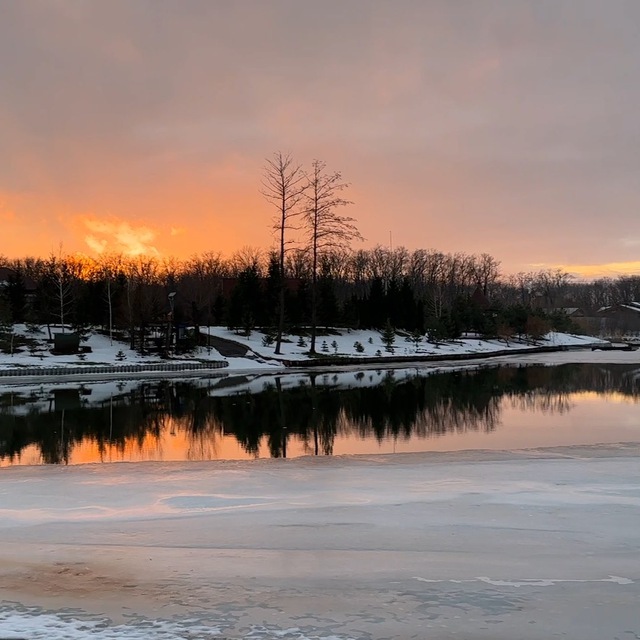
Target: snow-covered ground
(103, 351)
(502, 545)
(342, 342)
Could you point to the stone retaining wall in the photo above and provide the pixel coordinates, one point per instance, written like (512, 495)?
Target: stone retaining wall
(127, 368)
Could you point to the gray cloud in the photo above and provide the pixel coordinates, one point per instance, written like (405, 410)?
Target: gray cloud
(508, 127)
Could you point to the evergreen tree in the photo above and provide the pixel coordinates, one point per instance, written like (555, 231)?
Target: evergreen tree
(388, 336)
(246, 300)
(16, 296)
(328, 312)
(375, 307)
(272, 292)
(416, 338)
(437, 329)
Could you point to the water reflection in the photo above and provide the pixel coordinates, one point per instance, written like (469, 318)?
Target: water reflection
(291, 414)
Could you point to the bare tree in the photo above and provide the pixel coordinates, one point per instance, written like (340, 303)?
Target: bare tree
(551, 285)
(247, 257)
(283, 186)
(297, 263)
(64, 273)
(358, 268)
(326, 229)
(487, 272)
(109, 267)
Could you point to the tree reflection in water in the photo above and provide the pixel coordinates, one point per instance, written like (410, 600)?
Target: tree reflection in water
(314, 410)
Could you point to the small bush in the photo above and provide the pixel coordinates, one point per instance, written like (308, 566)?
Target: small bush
(358, 347)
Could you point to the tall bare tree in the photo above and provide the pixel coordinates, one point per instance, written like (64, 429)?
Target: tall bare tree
(283, 186)
(326, 229)
(109, 267)
(64, 273)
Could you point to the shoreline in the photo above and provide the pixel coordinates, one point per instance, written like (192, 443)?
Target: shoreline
(283, 367)
(581, 452)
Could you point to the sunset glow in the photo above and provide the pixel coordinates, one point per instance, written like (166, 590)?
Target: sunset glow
(477, 127)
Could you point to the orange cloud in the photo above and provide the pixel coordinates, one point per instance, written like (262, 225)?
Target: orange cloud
(592, 271)
(119, 236)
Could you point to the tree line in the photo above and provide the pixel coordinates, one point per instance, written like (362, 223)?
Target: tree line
(429, 291)
(314, 276)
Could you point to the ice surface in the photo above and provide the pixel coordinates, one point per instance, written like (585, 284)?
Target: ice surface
(35, 624)
(490, 545)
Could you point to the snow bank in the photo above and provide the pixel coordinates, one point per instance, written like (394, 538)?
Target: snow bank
(341, 343)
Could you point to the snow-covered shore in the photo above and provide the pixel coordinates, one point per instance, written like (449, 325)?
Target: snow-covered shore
(486, 545)
(109, 359)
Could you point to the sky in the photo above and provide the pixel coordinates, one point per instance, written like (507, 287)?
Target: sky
(509, 127)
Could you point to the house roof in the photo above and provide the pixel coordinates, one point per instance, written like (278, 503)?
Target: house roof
(5, 277)
(627, 306)
(569, 311)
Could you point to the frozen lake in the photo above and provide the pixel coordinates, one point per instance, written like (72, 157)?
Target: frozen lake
(523, 529)
(483, 545)
(342, 412)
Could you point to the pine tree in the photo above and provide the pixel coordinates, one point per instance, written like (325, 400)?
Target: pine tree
(388, 336)
(416, 338)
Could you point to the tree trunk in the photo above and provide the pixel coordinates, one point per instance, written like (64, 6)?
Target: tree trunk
(281, 296)
(110, 303)
(314, 300)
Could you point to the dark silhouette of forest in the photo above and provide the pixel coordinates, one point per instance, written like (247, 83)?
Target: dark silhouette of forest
(438, 296)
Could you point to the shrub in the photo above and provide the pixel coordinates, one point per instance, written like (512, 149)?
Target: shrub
(415, 338)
